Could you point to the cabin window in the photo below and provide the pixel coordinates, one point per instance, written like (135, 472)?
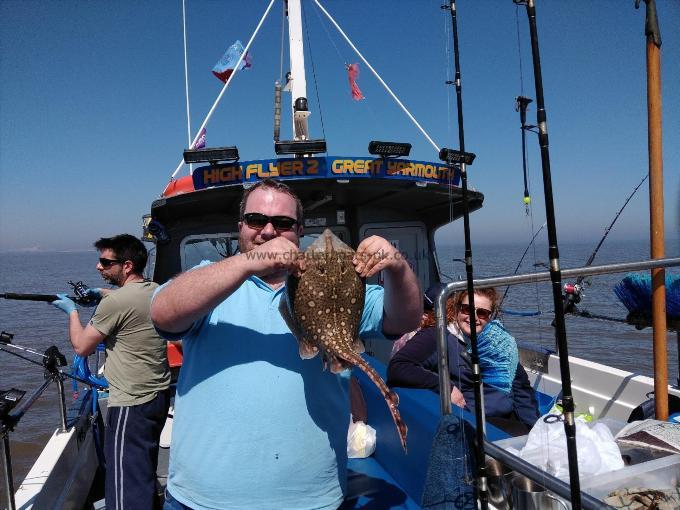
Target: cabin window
(410, 240)
(213, 247)
(151, 259)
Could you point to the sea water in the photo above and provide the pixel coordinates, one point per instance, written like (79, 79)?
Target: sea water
(40, 325)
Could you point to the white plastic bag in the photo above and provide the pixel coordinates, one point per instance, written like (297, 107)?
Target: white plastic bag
(597, 451)
(360, 440)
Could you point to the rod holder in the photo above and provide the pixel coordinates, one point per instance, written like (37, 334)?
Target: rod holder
(62, 402)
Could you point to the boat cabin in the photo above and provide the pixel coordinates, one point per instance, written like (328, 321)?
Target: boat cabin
(403, 201)
(200, 221)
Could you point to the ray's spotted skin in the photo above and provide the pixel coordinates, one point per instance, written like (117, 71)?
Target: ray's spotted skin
(323, 308)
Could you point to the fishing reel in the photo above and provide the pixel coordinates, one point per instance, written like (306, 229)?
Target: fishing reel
(573, 292)
(52, 360)
(80, 292)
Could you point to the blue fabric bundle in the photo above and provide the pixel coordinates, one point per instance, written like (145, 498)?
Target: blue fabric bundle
(498, 356)
(635, 292)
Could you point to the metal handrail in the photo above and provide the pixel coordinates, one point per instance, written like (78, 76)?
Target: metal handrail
(554, 484)
(544, 276)
(12, 419)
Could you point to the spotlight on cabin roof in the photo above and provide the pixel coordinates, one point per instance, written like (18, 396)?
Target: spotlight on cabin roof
(452, 156)
(212, 155)
(389, 149)
(300, 147)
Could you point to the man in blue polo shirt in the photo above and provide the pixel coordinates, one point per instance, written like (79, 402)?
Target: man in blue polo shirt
(255, 425)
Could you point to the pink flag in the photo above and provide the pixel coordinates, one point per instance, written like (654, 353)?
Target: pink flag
(353, 74)
(200, 141)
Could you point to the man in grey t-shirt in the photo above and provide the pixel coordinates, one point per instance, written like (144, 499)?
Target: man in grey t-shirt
(136, 369)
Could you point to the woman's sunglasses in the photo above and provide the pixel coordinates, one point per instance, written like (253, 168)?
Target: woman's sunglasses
(482, 313)
(258, 221)
(106, 263)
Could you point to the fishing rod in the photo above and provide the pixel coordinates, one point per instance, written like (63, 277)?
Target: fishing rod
(52, 358)
(47, 298)
(462, 159)
(519, 264)
(606, 232)
(80, 291)
(572, 291)
(555, 272)
(6, 339)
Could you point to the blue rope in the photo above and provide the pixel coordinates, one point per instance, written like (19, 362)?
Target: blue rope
(82, 370)
(521, 314)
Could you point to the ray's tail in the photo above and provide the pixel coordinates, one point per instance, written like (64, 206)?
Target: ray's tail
(391, 398)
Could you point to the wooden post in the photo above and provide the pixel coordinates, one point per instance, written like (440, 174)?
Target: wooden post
(656, 210)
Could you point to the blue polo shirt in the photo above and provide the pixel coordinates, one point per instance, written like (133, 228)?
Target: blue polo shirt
(255, 425)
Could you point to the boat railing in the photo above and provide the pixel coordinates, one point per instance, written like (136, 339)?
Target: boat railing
(551, 483)
(53, 359)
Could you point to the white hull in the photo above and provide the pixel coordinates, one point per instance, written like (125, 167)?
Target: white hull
(599, 390)
(62, 475)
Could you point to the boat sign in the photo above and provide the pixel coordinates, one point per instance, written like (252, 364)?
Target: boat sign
(331, 167)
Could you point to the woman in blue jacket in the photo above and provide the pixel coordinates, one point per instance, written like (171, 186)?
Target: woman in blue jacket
(509, 399)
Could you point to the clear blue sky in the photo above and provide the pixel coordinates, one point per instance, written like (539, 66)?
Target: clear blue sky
(93, 122)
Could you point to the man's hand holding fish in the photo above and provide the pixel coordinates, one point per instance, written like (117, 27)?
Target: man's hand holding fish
(403, 305)
(275, 257)
(375, 254)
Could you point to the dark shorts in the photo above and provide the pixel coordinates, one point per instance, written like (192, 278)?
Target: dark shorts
(131, 450)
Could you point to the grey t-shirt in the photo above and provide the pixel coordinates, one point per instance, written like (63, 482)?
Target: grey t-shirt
(136, 357)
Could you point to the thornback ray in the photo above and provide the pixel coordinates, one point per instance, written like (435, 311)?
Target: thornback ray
(323, 306)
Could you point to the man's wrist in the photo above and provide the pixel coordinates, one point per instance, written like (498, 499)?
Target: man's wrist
(242, 263)
(399, 266)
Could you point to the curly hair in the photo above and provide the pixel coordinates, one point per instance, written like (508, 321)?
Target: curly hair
(453, 305)
(428, 316)
(490, 293)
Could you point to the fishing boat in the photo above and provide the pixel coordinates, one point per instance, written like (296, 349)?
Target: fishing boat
(380, 193)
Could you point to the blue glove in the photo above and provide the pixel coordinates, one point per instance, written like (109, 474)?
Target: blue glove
(94, 293)
(92, 297)
(64, 303)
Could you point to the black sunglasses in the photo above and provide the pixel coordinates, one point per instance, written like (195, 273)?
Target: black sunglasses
(482, 313)
(258, 221)
(109, 262)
